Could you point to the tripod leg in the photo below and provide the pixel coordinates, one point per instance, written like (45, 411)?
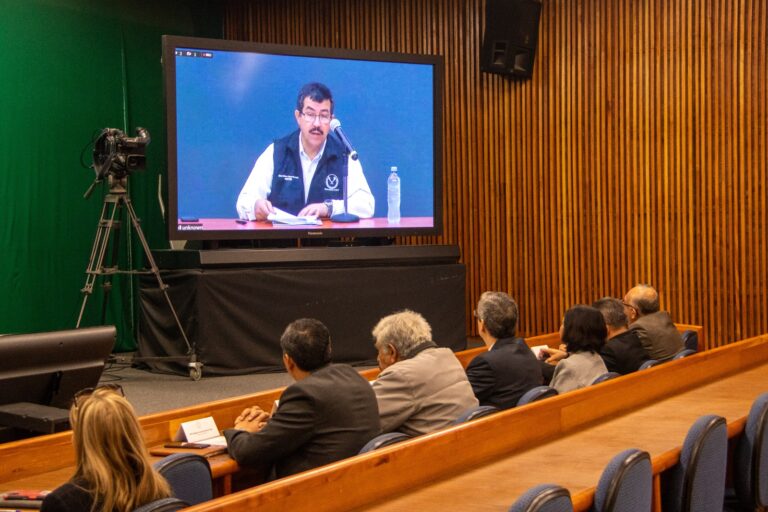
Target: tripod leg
(96, 260)
(106, 281)
(161, 284)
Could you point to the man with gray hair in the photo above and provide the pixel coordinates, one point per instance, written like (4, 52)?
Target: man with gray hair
(657, 333)
(421, 387)
(502, 375)
(623, 353)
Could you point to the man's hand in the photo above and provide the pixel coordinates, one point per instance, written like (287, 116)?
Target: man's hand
(250, 413)
(316, 209)
(252, 419)
(262, 208)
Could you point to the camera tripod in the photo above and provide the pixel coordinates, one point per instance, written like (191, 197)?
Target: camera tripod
(108, 230)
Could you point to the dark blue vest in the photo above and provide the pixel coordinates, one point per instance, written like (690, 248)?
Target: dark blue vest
(288, 178)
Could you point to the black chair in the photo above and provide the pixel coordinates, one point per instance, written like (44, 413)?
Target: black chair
(383, 440)
(626, 484)
(606, 376)
(684, 353)
(649, 364)
(697, 482)
(189, 476)
(475, 413)
(535, 394)
(750, 461)
(544, 498)
(163, 505)
(691, 340)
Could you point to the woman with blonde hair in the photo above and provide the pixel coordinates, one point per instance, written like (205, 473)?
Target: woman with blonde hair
(113, 472)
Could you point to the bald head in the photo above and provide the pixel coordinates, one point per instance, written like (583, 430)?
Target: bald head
(641, 300)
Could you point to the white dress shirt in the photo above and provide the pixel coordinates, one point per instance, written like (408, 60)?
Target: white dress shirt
(259, 184)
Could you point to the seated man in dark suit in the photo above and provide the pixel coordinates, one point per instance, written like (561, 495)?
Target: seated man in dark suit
(502, 375)
(657, 333)
(623, 353)
(328, 414)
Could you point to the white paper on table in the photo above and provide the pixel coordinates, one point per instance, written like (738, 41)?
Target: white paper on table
(282, 217)
(537, 350)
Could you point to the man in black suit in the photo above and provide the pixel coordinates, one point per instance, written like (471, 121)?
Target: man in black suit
(502, 375)
(623, 353)
(329, 413)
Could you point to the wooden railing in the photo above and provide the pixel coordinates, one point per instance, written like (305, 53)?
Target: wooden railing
(371, 478)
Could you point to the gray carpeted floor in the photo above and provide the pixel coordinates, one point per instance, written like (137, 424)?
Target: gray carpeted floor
(151, 392)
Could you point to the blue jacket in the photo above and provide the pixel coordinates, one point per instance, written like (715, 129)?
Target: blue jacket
(288, 179)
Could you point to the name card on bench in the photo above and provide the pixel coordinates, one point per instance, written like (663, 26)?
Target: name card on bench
(202, 430)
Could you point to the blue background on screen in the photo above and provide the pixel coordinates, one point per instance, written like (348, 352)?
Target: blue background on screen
(232, 106)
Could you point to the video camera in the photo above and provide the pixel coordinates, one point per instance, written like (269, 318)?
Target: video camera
(115, 153)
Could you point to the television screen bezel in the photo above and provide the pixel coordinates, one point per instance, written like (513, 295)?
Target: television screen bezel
(170, 43)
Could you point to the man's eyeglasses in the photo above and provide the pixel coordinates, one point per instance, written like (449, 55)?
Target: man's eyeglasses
(630, 306)
(311, 117)
(86, 392)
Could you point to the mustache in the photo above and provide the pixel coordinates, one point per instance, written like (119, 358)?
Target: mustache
(316, 131)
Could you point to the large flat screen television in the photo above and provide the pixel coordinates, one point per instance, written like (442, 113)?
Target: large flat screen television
(252, 133)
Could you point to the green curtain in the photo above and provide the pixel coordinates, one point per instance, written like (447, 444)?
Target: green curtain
(68, 69)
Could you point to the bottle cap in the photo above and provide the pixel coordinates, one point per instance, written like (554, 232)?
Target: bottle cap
(393, 168)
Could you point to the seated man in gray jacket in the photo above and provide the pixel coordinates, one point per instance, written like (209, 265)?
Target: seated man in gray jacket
(657, 333)
(422, 387)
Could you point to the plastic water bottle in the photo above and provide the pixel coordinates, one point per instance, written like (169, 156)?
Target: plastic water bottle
(393, 196)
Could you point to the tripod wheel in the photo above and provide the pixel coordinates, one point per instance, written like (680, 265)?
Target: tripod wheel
(195, 373)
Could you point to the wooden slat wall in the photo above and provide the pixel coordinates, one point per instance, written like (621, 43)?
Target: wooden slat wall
(636, 153)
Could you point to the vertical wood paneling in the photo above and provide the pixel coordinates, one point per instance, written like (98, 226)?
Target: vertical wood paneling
(636, 153)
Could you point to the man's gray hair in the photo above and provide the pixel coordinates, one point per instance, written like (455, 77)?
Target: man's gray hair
(613, 312)
(403, 330)
(499, 314)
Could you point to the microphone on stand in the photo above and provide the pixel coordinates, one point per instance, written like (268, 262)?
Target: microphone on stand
(351, 153)
(336, 128)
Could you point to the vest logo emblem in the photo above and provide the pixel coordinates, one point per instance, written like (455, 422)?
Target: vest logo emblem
(331, 183)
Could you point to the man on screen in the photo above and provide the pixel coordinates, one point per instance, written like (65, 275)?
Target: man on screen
(302, 172)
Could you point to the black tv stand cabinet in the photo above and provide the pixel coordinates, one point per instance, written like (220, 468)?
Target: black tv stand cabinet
(235, 303)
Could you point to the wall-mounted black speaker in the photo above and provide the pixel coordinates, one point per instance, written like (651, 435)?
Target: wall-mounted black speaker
(511, 31)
